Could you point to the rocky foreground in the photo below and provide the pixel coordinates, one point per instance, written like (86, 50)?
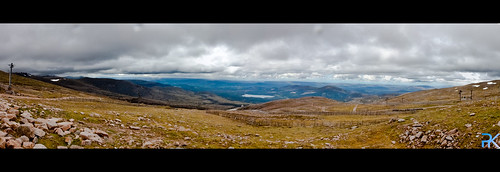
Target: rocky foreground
(19, 129)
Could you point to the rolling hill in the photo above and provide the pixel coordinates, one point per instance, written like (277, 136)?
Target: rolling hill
(152, 93)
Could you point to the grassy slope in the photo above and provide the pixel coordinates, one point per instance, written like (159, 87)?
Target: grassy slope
(212, 131)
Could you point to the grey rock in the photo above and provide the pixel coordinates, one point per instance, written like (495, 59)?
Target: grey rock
(12, 143)
(13, 111)
(24, 139)
(90, 136)
(56, 120)
(424, 139)
(148, 144)
(42, 126)
(449, 138)
(401, 120)
(101, 133)
(472, 114)
(417, 125)
(68, 140)
(13, 124)
(86, 142)
(419, 134)
(468, 125)
(39, 132)
(134, 127)
(455, 130)
(51, 124)
(59, 131)
(3, 141)
(39, 146)
(62, 147)
(2, 134)
(64, 125)
(75, 147)
(28, 145)
(27, 116)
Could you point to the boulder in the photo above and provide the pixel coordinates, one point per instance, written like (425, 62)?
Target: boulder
(27, 116)
(90, 136)
(2, 134)
(86, 142)
(24, 121)
(59, 131)
(51, 124)
(39, 146)
(39, 132)
(24, 139)
(42, 126)
(26, 129)
(9, 116)
(40, 121)
(424, 139)
(56, 120)
(3, 141)
(13, 124)
(13, 111)
(12, 143)
(75, 147)
(28, 145)
(64, 125)
(68, 140)
(101, 133)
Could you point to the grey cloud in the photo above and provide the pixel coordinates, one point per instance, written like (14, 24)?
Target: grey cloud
(394, 52)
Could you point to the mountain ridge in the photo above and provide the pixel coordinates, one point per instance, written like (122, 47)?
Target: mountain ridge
(159, 94)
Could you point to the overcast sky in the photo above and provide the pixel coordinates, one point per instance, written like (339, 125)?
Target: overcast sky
(452, 54)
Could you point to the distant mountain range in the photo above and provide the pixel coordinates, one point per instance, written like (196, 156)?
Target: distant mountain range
(264, 91)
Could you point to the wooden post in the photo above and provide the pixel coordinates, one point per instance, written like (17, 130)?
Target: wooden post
(11, 65)
(460, 93)
(471, 94)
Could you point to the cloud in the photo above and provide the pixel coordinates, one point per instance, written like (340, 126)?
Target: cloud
(427, 53)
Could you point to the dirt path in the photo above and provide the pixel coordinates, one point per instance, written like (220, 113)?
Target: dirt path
(50, 99)
(354, 109)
